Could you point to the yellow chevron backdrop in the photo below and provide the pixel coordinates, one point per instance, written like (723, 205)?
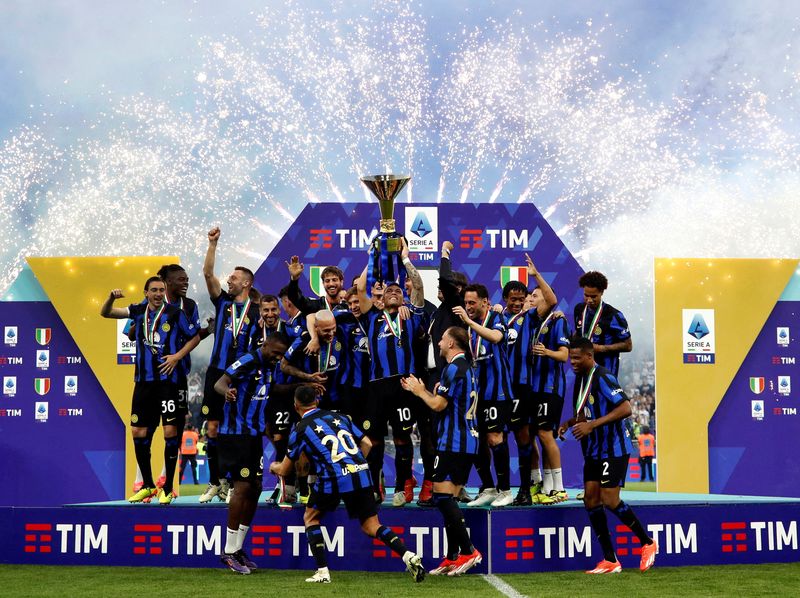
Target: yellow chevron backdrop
(742, 293)
(77, 287)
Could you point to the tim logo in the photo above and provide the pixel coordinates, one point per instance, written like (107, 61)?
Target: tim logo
(69, 359)
(776, 360)
(320, 238)
(11, 336)
(519, 543)
(266, 540)
(422, 229)
(473, 238)
(38, 537)
(147, 539)
(734, 536)
(627, 542)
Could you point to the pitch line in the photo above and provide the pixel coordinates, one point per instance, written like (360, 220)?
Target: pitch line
(502, 586)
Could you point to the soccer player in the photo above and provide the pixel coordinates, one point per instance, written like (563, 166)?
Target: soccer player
(241, 450)
(235, 326)
(489, 352)
(522, 323)
(601, 407)
(336, 450)
(548, 380)
(332, 281)
(159, 328)
(454, 405)
(601, 323)
(321, 367)
(392, 356)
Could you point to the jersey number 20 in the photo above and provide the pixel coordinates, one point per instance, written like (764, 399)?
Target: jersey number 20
(343, 439)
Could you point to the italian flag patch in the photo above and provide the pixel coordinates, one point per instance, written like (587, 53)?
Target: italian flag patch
(509, 273)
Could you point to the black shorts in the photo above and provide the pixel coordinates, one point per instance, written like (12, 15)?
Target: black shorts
(213, 402)
(241, 457)
(152, 402)
(493, 416)
(354, 402)
(360, 504)
(547, 414)
(389, 402)
(452, 467)
(280, 414)
(610, 472)
(521, 406)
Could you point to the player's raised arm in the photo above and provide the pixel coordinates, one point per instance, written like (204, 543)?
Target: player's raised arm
(550, 299)
(212, 282)
(365, 303)
(107, 310)
(417, 288)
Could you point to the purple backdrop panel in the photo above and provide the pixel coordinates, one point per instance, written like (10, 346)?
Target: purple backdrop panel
(486, 237)
(758, 413)
(561, 538)
(61, 438)
(146, 535)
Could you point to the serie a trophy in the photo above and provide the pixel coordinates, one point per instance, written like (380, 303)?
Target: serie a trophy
(385, 263)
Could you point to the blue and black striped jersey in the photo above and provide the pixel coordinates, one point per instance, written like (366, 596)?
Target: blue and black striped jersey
(189, 307)
(390, 342)
(328, 360)
(330, 441)
(547, 374)
(611, 327)
(355, 357)
(263, 333)
(457, 424)
(228, 312)
(252, 377)
(611, 440)
(491, 362)
(158, 335)
(294, 328)
(520, 333)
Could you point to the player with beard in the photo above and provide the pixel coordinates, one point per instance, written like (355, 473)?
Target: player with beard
(332, 281)
(392, 357)
(235, 333)
(489, 350)
(454, 404)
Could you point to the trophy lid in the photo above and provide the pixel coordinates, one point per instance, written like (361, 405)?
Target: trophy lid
(385, 186)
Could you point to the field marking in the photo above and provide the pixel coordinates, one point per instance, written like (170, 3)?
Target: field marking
(502, 586)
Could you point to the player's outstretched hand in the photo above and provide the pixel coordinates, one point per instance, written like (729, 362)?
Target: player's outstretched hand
(116, 294)
(532, 271)
(213, 235)
(447, 247)
(295, 267)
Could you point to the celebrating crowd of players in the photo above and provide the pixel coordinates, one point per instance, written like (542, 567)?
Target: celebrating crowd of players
(325, 385)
